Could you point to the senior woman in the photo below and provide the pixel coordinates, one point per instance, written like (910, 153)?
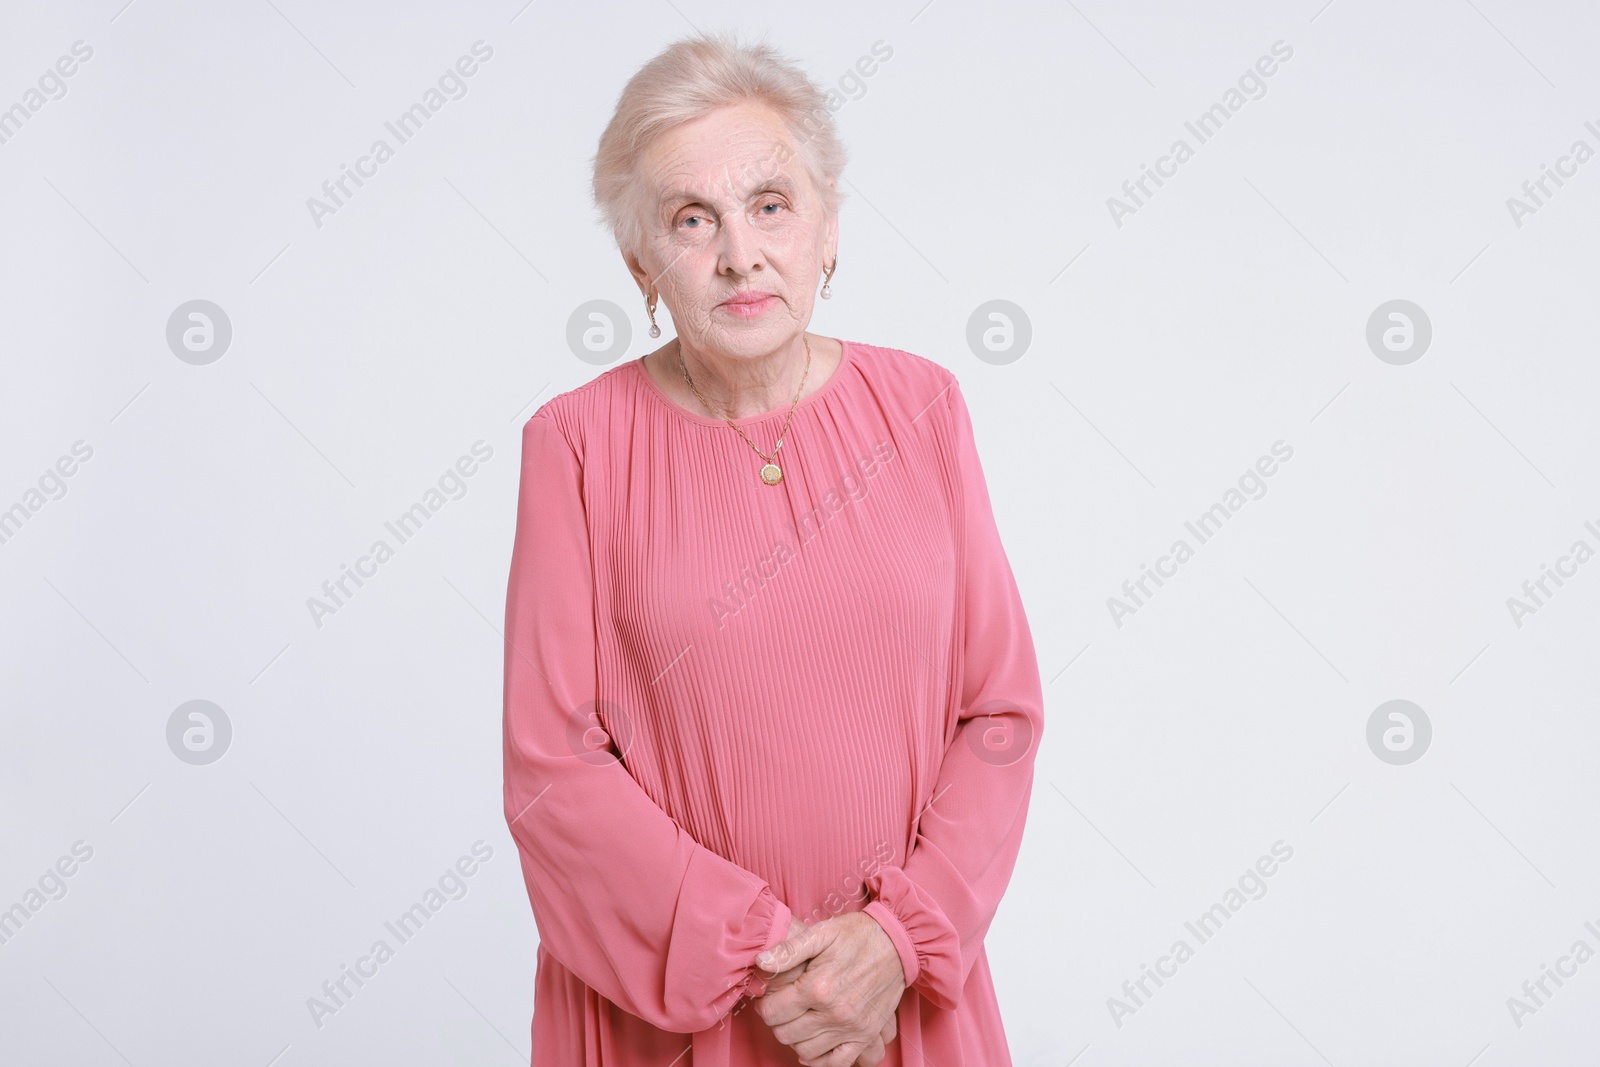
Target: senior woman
(771, 700)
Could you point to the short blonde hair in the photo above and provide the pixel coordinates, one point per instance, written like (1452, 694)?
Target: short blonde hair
(692, 78)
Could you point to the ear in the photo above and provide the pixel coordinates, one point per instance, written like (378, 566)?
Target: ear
(641, 277)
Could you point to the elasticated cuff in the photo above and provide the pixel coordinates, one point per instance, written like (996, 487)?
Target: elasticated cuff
(755, 985)
(925, 935)
(897, 934)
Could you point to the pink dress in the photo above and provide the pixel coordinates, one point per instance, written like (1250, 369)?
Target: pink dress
(728, 702)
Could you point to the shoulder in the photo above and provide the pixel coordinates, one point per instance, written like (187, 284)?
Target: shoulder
(911, 384)
(568, 414)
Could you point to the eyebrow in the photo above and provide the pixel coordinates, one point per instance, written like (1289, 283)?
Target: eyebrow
(778, 183)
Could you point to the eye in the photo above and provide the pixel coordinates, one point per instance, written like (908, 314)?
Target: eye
(692, 219)
(775, 205)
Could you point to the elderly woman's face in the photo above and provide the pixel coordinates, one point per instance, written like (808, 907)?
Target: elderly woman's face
(731, 213)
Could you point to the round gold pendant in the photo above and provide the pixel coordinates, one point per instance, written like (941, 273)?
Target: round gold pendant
(771, 474)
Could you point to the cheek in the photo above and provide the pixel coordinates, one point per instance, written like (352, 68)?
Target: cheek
(681, 246)
(681, 272)
(793, 250)
(796, 231)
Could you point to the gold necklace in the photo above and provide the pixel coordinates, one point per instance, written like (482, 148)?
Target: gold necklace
(771, 473)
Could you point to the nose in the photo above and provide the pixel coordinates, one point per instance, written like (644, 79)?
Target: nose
(741, 247)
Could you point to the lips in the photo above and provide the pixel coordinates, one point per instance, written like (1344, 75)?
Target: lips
(749, 305)
(751, 297)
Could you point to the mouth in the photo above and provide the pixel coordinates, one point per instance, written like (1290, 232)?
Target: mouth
(749, 304)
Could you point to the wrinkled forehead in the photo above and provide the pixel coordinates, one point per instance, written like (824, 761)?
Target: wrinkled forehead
(724, 157)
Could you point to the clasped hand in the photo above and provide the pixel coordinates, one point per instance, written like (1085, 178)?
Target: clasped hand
(835, 991)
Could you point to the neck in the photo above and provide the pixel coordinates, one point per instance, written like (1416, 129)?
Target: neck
(740, 387)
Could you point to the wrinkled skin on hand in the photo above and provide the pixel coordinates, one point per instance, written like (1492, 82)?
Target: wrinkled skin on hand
(835, 999)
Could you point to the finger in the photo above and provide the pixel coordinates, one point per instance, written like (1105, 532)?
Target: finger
(780, 1006)
(784, 978)
(793, 951)
(783, 1001)
(841, 1055)
(813, 1017)
(804, 1029)
(873, 1054)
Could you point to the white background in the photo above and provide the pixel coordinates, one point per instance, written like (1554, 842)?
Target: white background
(1168, 353)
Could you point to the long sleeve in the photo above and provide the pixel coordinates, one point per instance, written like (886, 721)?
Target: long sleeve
(622, 895)
(937, 907)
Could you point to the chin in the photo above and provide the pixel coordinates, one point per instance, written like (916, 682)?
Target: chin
(752, 341)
